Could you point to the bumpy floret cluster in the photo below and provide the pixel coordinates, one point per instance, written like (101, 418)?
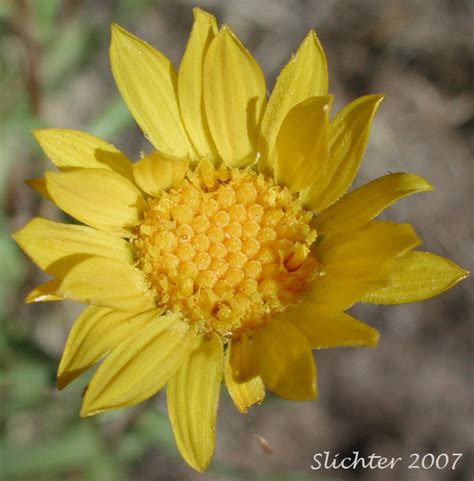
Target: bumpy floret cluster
(226, 248)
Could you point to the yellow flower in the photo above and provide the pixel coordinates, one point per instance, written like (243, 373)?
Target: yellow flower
(230, 251)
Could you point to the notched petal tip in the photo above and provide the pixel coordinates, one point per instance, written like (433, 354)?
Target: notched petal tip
(119, 34)
(115, 32)
(16, 236)
(86, 413)
(423, 185)
(116, 28)
(65, 377)
(37, 133)
(374, 341)
(312, 35)
(199, 12)
(462, 273)
(376, 98)
(226, 33)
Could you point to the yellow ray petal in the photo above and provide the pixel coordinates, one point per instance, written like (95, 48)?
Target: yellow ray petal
(242, 359)
(302, 144)
(104, 200)
(147, 81)
(359, 207)
(305, 75)
(39, 185)
(140, 366)
(107, 283)
(69, 149)
(234, 97)
(335, 329)
(193, 398)
(55, 247)
(96, 332)
(157, 172)
(348, 134)
(244, 394)
(285, 361)
(361, 252)
(330, 293)
(46, 292)
(190, 91)
(417, 276)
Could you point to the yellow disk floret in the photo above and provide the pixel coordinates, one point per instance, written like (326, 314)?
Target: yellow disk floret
(226, 248)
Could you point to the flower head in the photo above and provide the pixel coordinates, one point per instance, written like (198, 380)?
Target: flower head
(233, 248)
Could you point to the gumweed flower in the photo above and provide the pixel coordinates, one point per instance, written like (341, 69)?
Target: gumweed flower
(230, 251)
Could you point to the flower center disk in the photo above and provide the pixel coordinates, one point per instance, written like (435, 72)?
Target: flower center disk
(226, 248)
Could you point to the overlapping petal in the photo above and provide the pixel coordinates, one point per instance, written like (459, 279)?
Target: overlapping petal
(39, 185)
(244, 394)
(327, 330)
(193, 398)
(215, 110)
(304, 76)
(363, 252)
(330, 293)
(56, 247)
(69, 149)
(108, 283)
(140, 366)
(417, 276)
(46, 292)
(157, 172)
(285, 362)
(99, 198)
(147, 81)
(190, 84)
(301, 152)
(234, 98)
(348, 134)
(242, 359)
(96, 332)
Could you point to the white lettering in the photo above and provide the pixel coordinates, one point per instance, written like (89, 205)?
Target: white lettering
(317, 461)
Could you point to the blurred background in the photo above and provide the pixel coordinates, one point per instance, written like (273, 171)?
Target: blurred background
(413, 394)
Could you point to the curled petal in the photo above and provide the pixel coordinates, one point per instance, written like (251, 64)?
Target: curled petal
(46, 292)
(363, 252)
(242, 359)
(327, 330)
(285, 361)
(157, 172)
(348, 134)
(304, 76)
(244, 394)
(302, 144)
